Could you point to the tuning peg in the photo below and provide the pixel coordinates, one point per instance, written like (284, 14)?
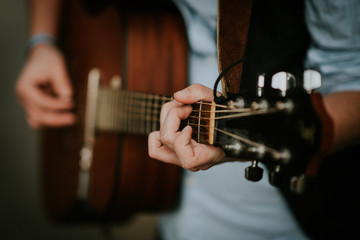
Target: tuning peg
(236, 103)
(260, 84)
(283, 81)
(234, 148)
(312, 80)
(276, 177)
(297, 184)
(116, 82)
(254, 172)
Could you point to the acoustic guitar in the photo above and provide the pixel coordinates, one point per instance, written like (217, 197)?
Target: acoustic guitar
(123, 67)
(285, 127)
(147, 49)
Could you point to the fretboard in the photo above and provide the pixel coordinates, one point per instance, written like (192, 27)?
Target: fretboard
(128, 112)
(139, 113)
(201, 120)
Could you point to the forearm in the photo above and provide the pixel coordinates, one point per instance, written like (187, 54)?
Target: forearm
(344, 109)
(44, 16)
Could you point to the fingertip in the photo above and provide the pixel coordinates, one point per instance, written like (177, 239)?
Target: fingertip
(62, 86)
(153, 143)
(187, 130)
(182, 95)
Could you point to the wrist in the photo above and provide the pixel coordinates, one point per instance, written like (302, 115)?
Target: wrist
(40, 39)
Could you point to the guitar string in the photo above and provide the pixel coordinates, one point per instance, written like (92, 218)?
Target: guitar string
(156, 109)
(134, 112)
(242, 139)
(248, 141)
(135, 106)
(146, 96)
(138, 98)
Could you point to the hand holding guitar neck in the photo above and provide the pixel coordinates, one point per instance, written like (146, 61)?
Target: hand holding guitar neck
(283, 127)
(178, 147)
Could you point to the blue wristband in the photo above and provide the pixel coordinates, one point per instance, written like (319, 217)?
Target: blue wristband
(41, 38)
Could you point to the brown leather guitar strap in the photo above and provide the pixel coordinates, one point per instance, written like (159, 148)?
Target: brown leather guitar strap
(232, 30)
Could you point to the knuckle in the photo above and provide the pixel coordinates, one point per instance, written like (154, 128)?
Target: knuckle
(151, 152)
(188, 165)
(166, 106)
(166, 138)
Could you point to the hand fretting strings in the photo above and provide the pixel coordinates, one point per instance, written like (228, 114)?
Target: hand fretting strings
(139, 113)
(200, 121)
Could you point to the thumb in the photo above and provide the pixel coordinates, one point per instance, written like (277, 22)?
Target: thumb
(62, 84)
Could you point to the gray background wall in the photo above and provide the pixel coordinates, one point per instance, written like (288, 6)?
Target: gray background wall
(21, 215)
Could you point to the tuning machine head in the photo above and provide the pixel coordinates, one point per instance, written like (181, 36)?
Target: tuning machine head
(283, 81)
(234, 148)
(276, 176)
(254, 172)
(260, 84)
(312, 80)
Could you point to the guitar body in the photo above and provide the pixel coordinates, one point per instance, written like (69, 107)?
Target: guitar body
(147, 48)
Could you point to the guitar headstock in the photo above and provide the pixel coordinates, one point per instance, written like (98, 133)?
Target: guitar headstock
(280, 127)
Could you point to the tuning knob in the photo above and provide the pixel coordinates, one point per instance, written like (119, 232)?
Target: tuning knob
(312, 80)
(260, 84)
(254, 172)
(234, 148)
(276, 177)
(298, 184)
(283, 81)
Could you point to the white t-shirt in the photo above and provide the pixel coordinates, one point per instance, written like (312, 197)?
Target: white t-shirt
(220, 203)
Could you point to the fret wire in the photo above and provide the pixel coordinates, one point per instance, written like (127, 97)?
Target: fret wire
(124, 106)
(143, 111)
(113, 99)
(121, 113)
(135, 124)
(131, 122)
(129, 112)
(126, 117)
(148, 114)
(199, 122)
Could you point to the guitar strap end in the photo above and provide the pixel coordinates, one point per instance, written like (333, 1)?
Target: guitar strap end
(232, 30)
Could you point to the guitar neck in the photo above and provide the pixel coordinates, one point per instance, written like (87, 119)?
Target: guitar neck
(139, 113)
(128, 112)
(202, 121)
